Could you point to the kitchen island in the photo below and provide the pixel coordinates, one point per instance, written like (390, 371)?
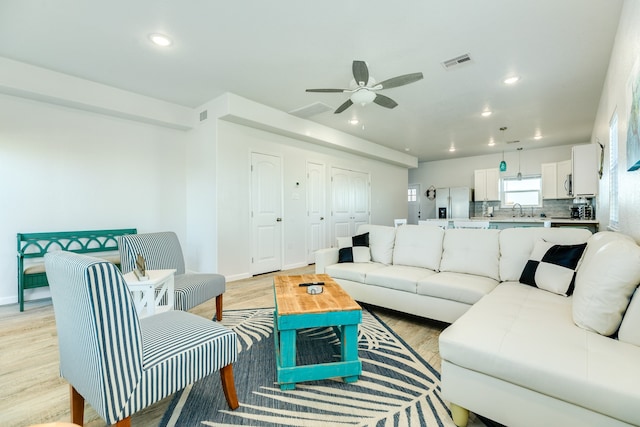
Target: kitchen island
(517, 221)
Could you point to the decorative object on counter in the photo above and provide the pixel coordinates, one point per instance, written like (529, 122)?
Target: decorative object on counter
(519, 173)
(503, 164)
(430, 193)
(141, 268)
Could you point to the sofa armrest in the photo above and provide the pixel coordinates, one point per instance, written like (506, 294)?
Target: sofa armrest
(325, 257)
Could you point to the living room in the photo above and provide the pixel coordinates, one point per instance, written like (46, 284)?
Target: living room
(77, 154)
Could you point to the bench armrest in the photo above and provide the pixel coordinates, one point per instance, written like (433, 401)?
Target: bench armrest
(325, 257)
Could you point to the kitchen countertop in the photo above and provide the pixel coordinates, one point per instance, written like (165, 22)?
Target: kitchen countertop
(536, 219)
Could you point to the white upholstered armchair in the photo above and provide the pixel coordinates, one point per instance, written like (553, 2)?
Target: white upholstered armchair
(117, 362)
(163, 251)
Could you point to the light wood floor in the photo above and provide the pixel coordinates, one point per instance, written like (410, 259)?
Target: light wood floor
(31, 391)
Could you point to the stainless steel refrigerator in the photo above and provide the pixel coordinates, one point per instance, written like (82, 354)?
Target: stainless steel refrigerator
(453, 202)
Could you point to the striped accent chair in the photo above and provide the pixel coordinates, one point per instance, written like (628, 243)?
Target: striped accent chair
(117, 362)
(163, 251)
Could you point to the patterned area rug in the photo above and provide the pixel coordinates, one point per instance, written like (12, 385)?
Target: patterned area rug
(397, 387)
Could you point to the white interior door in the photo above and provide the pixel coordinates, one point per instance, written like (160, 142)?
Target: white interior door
(266, 213)
(360, 191)
(349, 202)
(316, 210)
(340, 204)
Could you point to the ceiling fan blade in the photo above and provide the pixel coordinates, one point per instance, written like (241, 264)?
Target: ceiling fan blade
(400, 80)
(360, 73)
(385, 101)
(326, 90)
(348, 103)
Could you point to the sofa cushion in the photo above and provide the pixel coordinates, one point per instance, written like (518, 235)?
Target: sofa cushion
(418, 246)
(355, 272)
(552, 267)
(471, 251)
(524, 336)
(516, 245)
(381, 241)
(459, 287)
(630, 327)
(400, 277)
(604, 286)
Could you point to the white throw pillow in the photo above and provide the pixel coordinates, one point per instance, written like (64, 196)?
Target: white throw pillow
(381, 241)
(630, 327)
(604, 286)
(552, 267)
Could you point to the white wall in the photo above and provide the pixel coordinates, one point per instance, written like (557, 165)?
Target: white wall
(64, 169)
(616, 97)
(459, 172)
(235, 144)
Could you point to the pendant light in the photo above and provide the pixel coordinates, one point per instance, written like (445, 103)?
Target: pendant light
(503, 164)
(519, 173)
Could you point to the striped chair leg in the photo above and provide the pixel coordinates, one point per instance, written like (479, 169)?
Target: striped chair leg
(77, 406)
(219, 307)
(229, 386)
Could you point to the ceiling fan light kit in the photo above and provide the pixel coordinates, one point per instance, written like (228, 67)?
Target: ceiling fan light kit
(366, 87)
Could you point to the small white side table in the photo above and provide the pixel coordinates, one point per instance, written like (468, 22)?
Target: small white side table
(145, 297)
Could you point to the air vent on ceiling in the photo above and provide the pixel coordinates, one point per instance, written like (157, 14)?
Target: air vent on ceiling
(311, 110)
(515, 141)
(454, 62)
(203, 115)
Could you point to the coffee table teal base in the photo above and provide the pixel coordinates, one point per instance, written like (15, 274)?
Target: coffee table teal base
(344, 323)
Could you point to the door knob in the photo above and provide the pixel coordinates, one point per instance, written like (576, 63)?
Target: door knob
(279, 219)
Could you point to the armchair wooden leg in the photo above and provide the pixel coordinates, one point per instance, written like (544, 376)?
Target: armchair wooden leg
(77, 406)
(229, 386)
(219, 307)
(124, 423)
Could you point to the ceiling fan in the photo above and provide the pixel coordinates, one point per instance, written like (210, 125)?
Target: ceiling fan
(366, 87)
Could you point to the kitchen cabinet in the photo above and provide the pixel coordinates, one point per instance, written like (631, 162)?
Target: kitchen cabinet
(487, 185)
(554, 180)
(584, 170)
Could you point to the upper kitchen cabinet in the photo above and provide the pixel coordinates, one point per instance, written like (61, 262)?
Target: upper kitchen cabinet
(487, 185)
(584, 170)
(555, 180)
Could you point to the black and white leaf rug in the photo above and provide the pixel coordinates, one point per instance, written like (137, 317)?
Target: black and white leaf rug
(397, 387)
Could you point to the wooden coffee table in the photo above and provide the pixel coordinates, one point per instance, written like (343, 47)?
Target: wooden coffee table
(296, 309)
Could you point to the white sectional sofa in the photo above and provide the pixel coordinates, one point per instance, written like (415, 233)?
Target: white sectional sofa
(518, 354)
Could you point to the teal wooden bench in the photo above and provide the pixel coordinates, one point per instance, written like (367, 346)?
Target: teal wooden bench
(33, 246)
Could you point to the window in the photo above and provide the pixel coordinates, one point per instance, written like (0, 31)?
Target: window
(526, 191)
(412, 195)
(613, 172)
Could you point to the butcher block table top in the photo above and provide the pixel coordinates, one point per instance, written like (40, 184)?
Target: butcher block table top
(293, 299)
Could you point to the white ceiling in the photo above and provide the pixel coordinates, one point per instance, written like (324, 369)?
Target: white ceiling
(271, 51)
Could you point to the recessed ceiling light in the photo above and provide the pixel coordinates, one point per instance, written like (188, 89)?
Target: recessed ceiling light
(160, 39)
(491, 142)
(511, 80)
(452, 149)
(354, 121)
(486, 113)
(538, 136)
(407, 149)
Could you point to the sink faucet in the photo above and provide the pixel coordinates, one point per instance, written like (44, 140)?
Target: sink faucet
(513, 209)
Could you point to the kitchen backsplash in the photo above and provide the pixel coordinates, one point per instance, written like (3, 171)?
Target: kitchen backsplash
(551, 208)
